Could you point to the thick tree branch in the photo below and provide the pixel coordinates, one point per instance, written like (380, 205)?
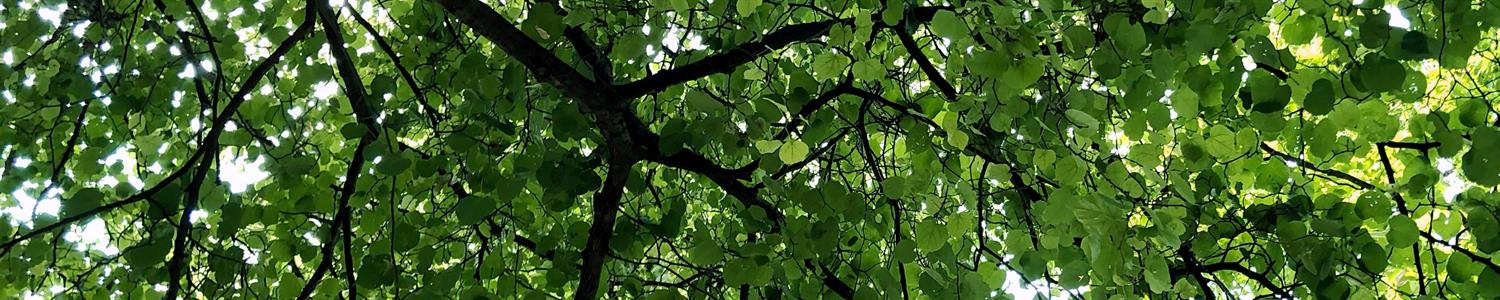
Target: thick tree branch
(606, 208)
(1193, 267)
(354, 89)
(353, 86)
(1419, 146)
(728, 59)
(843, 88)
(611, 114)
(620, 128)
(727, 179)
(1196, 271)
(591, 54)
(595, 57)
(546, 66)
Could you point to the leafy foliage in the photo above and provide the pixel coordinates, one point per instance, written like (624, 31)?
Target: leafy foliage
(674, 149)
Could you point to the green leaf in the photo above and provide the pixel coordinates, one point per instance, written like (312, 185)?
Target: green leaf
(905, 251)
(1473, 112)
(1414, 42)
(144, 256)
(947, 24)
(671, 220)
(892, 14)
(1319, 99)
(829, 65)
(746, 7)
(82, 201)
(375, 271)
(767, 146)
(1373, 257)
(990, 64)
(1301, 29)
(352, 130)
(472, 210)
(931, 235)
(1270, 95)
(746, 271)
(1221, 142)
(1486, 229)
(1401, 231)
(1185, 104)
(1479, 165)
(1081, 118)
(706, 253)
(869, 70)
(392, 165)
(993, 276)
(700, 101)
(1380, 74)
(1158, 276)
(1129, 36)
(792, 151)
(958, 139)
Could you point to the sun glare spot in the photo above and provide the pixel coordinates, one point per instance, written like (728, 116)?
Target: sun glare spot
(239, 171)
(1398, 19)
(325, 90)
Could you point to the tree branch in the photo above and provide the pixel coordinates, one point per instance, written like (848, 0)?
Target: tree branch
(356, 164)
(355, 91)
(1419, 146)
(591, 54)
(896, 210)
(726, 60)
(432, 113)
(611, 114)
(606, 208)
(932, 72)
(844, 87)
(180, 250)
(1242, 270)
(727, 179)
(832, 281)
(546, 66)
(1302, 162)
(1366, 185)
(597, 59)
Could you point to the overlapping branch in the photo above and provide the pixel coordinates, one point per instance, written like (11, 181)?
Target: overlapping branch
(628, 139)
(354, 90)
(727, 59)
(606, 208)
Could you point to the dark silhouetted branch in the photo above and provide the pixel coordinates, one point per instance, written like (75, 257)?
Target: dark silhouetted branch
(728, 59)
(596, 249)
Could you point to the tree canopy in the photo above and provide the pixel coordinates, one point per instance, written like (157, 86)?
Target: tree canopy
(749, 149)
